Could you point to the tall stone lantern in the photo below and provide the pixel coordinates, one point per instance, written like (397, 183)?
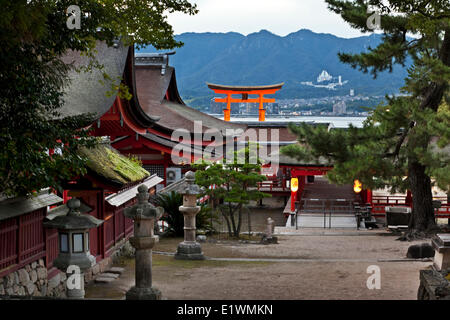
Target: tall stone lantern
(73, 233)
(190, 249)
(144, 215)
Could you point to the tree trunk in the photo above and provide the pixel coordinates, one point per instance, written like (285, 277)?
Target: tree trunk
(233, 222)
(224, 210)
(422, 218)
(238, 230)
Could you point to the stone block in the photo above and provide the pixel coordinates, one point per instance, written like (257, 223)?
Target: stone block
(28, 268)
(420, 251)
(10, 280)
(16, 278)
(16, 288)
(96, 269)
(143, 294)
(88, 277)
(9, 291)
(33, 276)
(117, 270)
(189, 251)
(34, 265)
(41, 263)
(105, 264)
(21, 291)
(24, 277)
(442, 261)
(104, 280)
(201, 238)
(108, 275)
(30, 288)
(44, 290)
(54, 282)
(41, 273)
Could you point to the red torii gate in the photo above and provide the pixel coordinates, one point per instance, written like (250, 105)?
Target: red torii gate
(245, 91)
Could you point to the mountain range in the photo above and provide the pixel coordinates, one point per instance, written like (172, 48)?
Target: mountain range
(264, 58)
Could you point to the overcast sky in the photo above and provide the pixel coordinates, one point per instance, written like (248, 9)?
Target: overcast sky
(247, 16)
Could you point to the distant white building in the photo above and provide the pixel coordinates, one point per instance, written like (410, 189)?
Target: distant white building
(352, 92)
(324, 76)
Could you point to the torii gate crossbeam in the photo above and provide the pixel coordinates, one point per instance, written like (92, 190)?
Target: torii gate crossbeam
(245, 91)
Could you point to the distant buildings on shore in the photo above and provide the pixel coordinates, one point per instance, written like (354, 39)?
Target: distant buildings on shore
(339, 108)
(243, 108)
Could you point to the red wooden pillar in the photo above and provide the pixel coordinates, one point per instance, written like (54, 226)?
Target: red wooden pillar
(227, 111)
(408, 199)
(293, 199)
(369, 196)
(166, 159)
(262, 112)
(101, 229)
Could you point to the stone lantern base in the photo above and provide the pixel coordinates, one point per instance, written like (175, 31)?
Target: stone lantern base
(143, 294)
(189, 251)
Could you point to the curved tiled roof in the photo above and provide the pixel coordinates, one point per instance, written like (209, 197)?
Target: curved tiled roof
(152, 85)
(85, 92)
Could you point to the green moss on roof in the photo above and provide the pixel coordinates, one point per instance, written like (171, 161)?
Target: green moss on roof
(110, 164)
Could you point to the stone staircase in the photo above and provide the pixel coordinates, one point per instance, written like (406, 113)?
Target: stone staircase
(325, 205)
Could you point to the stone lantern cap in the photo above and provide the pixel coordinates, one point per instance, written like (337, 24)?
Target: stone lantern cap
(191, 188)
(143, 210)
(441, 242)
(74, 220)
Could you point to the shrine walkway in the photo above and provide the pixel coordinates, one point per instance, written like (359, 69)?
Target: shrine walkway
(299, 267)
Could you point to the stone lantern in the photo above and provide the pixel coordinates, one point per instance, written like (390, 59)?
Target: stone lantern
(144, 215)
(73, 235)
(441, 245)
(190, 249)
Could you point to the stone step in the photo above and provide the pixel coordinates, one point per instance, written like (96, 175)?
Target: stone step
(103, 280)
(316, 221)
(108, 275)
(116, 270)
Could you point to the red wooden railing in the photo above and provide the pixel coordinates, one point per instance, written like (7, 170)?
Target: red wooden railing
(380, 202)
(24, 240)
(116, 227)
(273, 186)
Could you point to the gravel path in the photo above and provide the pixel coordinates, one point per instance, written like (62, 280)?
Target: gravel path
(325, 267)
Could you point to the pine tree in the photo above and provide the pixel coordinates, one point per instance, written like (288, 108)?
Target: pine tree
(404, 142)
(233, 182)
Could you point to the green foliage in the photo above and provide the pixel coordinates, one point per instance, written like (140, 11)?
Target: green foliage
(206, 218)
(405, 141)
(235, 185)
(33, 37)
(172, 215)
